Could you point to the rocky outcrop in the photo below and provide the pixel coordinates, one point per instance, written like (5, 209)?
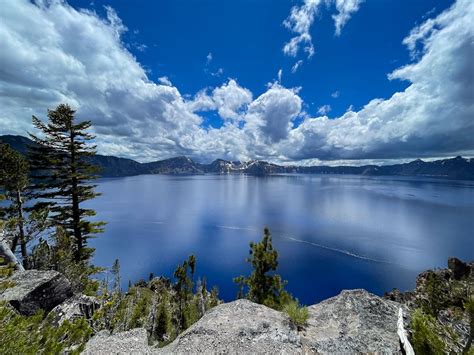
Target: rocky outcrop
(134, 341)
(459, 269)
(443, 293)
(32, 290)
(78, 306)
(239, 327)
(353, 321)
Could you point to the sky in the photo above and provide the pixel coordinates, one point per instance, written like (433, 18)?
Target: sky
(307, 81)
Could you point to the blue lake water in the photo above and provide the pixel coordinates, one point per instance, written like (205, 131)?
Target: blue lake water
(331, 232)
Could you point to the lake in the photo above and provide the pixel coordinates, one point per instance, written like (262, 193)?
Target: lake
(332, 232)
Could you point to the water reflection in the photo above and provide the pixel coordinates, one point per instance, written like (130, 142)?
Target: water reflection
(332, 232)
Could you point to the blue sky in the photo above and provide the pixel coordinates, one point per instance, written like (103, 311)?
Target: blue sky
(213, 79)
(245, 38)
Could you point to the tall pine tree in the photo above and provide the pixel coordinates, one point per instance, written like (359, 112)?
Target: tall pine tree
(63, 175)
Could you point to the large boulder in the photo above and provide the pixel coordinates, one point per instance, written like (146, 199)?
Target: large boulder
(78, 306)
(32, 290)
(353, 321)
(134, 341)
(238, 327)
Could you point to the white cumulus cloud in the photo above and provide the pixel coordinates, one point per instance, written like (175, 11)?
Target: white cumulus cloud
(51, 53)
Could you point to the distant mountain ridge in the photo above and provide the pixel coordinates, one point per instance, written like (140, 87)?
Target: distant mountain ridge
(454, 168)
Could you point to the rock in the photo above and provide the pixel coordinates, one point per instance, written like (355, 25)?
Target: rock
(159, 284)
(130, 342)
(459, 269)
(457, 324)
(401, 297)
(238, 327)
(78, 306)
(33, 290)
(353, 321)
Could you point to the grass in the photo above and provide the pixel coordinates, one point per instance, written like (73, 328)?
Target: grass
(298, 314)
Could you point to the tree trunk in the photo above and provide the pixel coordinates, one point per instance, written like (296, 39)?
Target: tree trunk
(21, 230)
(76, 219)
(6, 253)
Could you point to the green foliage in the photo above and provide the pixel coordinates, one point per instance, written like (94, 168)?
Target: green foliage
(469, 307)
(14, 171)
(214, 298)
(163, 308)
(264, 286)
(14, 181)
(60, 257)
(184, 288)
(436, 294)
(425, 340)
(163, 319)
(37, 335)
(297, 313)
(5, 284)
(62, 175)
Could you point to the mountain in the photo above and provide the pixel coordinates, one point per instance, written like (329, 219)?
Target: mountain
(111, 166)
(455, 168)
(19, 143)
(174, 166)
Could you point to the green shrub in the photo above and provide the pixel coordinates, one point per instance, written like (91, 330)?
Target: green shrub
(37, 335)
(425, 340)
(298, 314)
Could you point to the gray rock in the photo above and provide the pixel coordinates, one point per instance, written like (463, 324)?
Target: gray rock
(353, 321)
(131, 342)
(78, 306)
(33, 290)
(459, 268)
(238, 327)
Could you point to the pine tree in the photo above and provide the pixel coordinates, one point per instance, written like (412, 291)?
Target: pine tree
(116, 275)
(264, 286)
(14, 181)
(184, 287)
(59, 162)
(163, 320)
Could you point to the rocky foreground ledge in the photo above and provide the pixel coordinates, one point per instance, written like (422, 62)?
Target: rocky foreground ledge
(354, 321)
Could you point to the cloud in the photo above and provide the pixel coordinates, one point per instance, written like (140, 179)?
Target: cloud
(272, 112)
(218, 73)
(280, 73)
(140, 47)
(432, 117)
(301, 19)
(53, 53)
(335, 94)
(209, 58)
(299, 22)
(345, 10)
(324, 110)
(165, 81)
(296, 66)
(229, 100)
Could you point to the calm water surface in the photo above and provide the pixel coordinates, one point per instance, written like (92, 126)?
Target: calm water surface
(332, 232)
